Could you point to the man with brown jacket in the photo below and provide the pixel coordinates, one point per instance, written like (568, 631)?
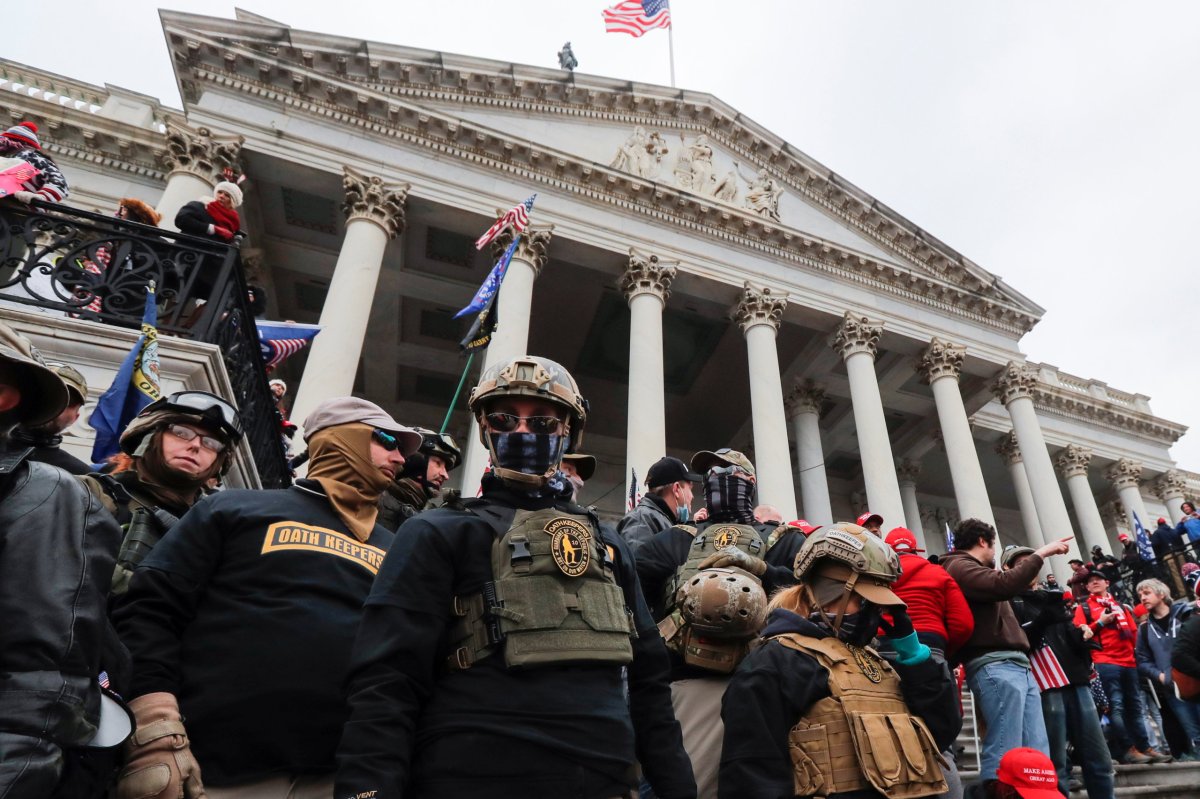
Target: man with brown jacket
(996, 656)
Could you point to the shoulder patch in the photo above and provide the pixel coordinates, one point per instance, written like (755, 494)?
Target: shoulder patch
(845, 538)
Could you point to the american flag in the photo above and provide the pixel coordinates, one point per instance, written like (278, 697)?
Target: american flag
(280, 340)
(636, 17)
(634, 497)
(1047, 671)
(517, 217)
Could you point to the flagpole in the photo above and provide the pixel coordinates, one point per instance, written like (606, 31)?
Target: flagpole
(457, 391)
(671, 49)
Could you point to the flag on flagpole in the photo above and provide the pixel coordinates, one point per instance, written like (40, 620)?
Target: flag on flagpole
(637, 17)
(634, 497)
(516, 217)
(480, 333)
(1143, 539)
(135, 386)
(491, 284)
(281, 340)
(949, 539)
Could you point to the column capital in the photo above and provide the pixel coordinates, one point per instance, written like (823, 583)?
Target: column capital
(199, 151)
(1125, 473)
(1073, 460)
(1171, 484)
(759, 307)
(368, 197)
(806, 397)
(941, 359)
(857, 334)
(1008, 448)
(1015, 381)
(646, 274)
(532, 249)
(908, 471)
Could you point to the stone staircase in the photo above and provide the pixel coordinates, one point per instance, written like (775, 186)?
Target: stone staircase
(1163, 781)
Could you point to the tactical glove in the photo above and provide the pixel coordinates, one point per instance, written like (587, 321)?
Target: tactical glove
(901, 626)
(158, 757)
(732, 557)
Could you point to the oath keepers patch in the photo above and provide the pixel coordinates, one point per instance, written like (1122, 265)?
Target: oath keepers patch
(292, 536)
(725, 537)
(570, 545)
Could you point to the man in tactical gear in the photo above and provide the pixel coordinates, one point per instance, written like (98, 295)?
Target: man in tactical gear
(490, 657)
(814, 710)
(46, 439)
(578, 469)
(57, 549)
(668, 501)
(176, 445)
(423, 476)
(242, 618)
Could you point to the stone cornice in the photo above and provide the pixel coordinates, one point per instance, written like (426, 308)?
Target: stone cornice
(1093, 411)
(646, 274)
(1073, 461)
(335, 87)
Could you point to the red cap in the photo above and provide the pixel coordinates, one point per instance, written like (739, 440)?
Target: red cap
(868, 516)
(803, 526)
(902, 539)
(1161, 520)
(1031, 773)
(1123, 537)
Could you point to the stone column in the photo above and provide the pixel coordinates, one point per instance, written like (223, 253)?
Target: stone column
(511, 338)
(1126, 476)
(759, 314)
(1008, 449)
(646, 285)
(856, 341)
(804, 406)
(194, 158)
(940, 366)
(375, 214)
(908, 473)
(1171, 488)
(1073, 462)
(1014, 388)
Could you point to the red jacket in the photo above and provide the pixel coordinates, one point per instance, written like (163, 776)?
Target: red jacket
(1116, 644)
(935, 602)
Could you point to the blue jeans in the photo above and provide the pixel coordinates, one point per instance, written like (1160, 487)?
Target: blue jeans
(1126, 714)
(1011, 706)
(1188, 714)
(1071, 716)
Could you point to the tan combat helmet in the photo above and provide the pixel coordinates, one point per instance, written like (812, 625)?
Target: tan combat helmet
(853, 558)
(532, 377)
(723, 603)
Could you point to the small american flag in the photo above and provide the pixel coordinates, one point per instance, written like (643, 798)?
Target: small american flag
(1047, 671)
(636, 17)
(517, 217)
(634, 497)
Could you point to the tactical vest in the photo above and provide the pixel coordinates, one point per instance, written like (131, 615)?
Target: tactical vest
(712, 654)
(862, 736)
(553, 597)
(147, 524)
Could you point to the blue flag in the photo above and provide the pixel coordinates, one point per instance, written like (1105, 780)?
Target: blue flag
(135, 386)
(280, 340)
(949, 539)
(1143, 539)
(491, 284)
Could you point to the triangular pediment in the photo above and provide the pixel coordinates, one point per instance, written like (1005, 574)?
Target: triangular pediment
(668, 151)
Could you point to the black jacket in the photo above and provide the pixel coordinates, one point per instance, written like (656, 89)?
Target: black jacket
(648, 519)
(246, 612)
(1046, 621)
(419, 730)
(1185, 655)
(774, 686)
(48, 449)
(57, 549)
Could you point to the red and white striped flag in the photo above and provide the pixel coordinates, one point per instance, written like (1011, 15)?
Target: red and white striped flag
(517, 217)
(1047, 671)
(636, 17)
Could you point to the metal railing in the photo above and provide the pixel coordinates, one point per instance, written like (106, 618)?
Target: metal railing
(94, 267)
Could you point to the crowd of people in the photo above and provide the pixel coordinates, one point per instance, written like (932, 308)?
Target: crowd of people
(367, 633)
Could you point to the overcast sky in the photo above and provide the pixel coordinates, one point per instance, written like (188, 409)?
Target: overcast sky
(1053, 142)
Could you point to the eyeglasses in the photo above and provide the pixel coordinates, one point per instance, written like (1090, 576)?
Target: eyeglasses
(507, 422)
(188, 434)
(386, 440)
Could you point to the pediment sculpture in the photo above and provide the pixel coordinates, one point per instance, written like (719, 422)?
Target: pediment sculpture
(642, 154)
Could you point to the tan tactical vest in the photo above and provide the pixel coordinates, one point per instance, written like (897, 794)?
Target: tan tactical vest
(553, 598)
(862, 736)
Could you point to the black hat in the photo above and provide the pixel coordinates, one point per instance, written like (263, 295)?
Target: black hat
(1097, 573)
(669, 470)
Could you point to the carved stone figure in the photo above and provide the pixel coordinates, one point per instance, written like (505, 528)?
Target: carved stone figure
(656, 150)
(641, 154)
(694, 169)
(763, 196)
(727, 188)
(567, 59)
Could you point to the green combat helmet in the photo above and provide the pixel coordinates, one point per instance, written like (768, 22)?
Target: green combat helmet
(532, 377)
(851, 558)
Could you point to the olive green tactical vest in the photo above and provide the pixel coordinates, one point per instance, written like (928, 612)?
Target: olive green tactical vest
(553, 598)
(715, 537)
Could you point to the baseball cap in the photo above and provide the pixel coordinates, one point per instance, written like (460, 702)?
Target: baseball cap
(76, 382)
(669, 470)
(43, 393)
(1161, 520)
(1013, 552)
(803, 526)
(1030, 772)
(902, 539)
(350, 410)
(861, 521)
(704, 460)
(1097, 573)
(1123, 537)
(585, 465)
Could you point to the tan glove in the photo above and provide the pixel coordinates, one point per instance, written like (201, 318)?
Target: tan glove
(158, 757)
(734, 558)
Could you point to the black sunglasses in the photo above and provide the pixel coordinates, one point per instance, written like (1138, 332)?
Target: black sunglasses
(386, 440)
(507, 422)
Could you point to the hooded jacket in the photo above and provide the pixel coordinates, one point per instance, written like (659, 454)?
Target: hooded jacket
(936, 604)
(988, 592)
(1154, 645)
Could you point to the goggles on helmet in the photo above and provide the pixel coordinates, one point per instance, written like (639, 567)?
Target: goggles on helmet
(731, 469)
(207, 406)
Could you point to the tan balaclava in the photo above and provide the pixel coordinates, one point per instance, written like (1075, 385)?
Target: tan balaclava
(340, 460)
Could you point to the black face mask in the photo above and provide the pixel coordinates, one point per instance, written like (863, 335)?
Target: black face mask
(529, 453)
(729, 498)
(857, 629)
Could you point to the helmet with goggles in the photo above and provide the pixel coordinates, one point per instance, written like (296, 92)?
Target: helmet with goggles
(849, 554)
(197, 407)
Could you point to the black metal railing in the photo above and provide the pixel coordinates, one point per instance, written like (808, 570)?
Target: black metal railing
(94, 267)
